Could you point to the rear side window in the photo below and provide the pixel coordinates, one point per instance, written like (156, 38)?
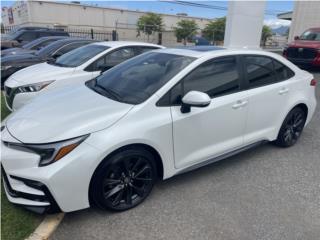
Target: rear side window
(282, 71)
(27, 36)
(259, 71)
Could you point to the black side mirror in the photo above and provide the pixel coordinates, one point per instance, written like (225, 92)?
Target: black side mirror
(296, 38)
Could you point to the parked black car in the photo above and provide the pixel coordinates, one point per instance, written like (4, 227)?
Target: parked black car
(21, 37)
(13, 63)
(31, 47)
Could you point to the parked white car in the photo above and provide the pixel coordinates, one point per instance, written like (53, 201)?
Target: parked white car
(157, 115)
(76, 66)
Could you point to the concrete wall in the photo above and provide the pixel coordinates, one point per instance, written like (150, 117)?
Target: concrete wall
(75, 15)
(306, 14)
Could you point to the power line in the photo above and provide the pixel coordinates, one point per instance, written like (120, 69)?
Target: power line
(215, 7)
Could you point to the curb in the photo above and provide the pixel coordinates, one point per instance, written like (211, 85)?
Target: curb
(46, 227)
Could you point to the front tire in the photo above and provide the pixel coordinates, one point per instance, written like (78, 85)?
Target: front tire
(291, 128)
(124, 180)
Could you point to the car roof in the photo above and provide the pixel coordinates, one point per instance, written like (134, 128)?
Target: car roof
(126, 43)
(201, 48)
(192, 52)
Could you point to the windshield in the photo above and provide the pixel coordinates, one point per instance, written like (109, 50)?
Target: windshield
(137, 79)
(310, 36)
(79, 56)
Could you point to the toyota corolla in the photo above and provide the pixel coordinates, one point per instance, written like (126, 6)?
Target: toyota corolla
(154, 116)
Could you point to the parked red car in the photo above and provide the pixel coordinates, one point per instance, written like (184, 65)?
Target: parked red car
(305, 50)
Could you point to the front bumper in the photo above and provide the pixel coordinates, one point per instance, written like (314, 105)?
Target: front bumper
(41, 202)
(61, 186)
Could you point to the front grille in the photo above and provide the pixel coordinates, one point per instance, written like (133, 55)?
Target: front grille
(301, 53)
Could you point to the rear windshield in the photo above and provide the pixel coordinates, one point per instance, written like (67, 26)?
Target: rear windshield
(80, 55)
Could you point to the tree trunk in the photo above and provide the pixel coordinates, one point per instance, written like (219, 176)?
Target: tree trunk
(185, 41)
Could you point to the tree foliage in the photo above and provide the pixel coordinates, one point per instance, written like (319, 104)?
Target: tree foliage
(185, 29)
(214, 30)
(149, 23)
(266, 33)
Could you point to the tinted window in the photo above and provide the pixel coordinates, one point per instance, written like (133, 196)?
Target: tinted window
(259, 71)
(136, 80)
(282, 71)
(69, 47)
(215, 77)
(112, 59)
(146, 49)
(80, 55)
(27, 36)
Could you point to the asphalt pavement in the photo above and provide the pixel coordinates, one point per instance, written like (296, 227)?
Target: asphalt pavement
(265, 193)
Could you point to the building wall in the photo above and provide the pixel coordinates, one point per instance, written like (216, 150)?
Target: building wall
(68, 15)
(306, 14)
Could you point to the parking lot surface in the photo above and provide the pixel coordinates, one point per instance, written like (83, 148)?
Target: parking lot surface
(264, 193)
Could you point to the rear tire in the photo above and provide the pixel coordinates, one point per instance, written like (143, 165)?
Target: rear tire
(291, 128)
(124, 180)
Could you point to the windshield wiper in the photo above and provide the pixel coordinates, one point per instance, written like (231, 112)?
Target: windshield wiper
(108, 91)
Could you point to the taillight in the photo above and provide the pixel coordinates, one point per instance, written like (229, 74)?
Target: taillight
(313, 82)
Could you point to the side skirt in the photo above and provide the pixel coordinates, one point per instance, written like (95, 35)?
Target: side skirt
(221, 157)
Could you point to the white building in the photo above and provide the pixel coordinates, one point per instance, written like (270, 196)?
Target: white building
(75, 15)
(306, 14)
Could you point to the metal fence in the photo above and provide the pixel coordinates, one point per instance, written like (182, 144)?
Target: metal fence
(76, 32)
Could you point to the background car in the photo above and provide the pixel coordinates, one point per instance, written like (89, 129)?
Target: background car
(21, 37)
(12, 63)
(32, 46)
(157, 115)
(305, 50)
(77, 66)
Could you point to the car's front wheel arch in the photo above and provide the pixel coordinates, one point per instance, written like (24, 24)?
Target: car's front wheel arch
(138, 146)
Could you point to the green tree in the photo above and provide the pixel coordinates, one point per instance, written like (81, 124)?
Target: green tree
(185, 29)
(266, 33)
(149, 23)
(214, 30)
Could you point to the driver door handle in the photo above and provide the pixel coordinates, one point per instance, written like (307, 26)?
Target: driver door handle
(239, 104)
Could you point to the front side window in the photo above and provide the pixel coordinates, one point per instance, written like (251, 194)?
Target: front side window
(259, 71)
(216, 77)
(80, 55)
(137, 79)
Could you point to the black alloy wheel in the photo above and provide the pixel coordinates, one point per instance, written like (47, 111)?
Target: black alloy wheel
(125, 180)
(291, 128)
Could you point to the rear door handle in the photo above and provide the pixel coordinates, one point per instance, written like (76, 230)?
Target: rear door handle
(239, 104)
(283, 91)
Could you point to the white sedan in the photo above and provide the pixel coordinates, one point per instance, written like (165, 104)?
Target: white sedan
(157, 115)
(76, 66)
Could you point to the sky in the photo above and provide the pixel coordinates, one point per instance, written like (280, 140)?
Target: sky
(160, 6)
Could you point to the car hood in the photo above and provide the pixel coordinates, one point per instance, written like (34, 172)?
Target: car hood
(19, 58)
(305, 44)
(16, 51)
(39, 73)
(61, 115)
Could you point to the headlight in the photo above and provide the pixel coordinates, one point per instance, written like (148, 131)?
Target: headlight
(5, 67)
(51, 152)
(35, 87)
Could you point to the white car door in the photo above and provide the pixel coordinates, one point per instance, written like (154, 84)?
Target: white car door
(208, 132)
(268, 93)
